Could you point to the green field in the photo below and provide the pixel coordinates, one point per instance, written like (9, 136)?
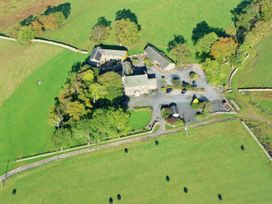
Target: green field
(159, 19)
(208, 162)
(139, 118)
(24, 129)
(257, 70)
(18, 62)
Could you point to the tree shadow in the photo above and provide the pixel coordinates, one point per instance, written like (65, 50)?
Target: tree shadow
(204, 28)
(127, 14)
(102, 21)
(76, 67)
(240, 9)
(28, 20)
(178, 39)
(64, 8)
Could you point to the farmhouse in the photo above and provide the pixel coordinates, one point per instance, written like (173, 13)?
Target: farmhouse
(102, 54)
(159, 58)
(137, 85)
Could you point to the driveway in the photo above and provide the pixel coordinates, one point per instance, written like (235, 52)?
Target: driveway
(157, 99)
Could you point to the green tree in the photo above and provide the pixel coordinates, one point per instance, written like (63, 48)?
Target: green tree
(203, 45)
(62, 137)
(265, 9)
(25, 35)
(113, 83)
(108, 123)
(182, 54)
(97, 91)
(214, 72)
(127, 32)
(100, 33)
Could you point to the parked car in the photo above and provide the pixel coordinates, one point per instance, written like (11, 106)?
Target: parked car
(183, 91)
(194, 83)
(168, 90)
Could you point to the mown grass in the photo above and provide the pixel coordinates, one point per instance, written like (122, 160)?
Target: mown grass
(139, 118)
(24, 129)
(18, 62)
(159, 19)
(208, 162)
(257, 71)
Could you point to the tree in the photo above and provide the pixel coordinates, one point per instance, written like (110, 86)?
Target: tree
(113, 83)
(127, 32)
(265, 9)
(203, 45)
(62, 137)
(214, 72)
(75, 110)
(87, 76)
(182, 54)
(56, 116)
(97, 91)
(25, 35)
(224, 49)
(108, 123)
(52, 21)
(37, 27)
(100, 33)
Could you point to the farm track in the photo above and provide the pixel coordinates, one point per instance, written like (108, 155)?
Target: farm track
(51, 42)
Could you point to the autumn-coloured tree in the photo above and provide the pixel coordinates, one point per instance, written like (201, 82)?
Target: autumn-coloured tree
(224, 49)
(75, 110)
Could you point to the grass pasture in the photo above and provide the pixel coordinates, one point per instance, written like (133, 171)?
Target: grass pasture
(24, 129)
(159, 19)
(18, 62)
(208, 162)
(257, 70)
(139, 118)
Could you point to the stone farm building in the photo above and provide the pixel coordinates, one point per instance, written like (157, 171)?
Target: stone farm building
(102, 54)
(137, 85)
(159, 58)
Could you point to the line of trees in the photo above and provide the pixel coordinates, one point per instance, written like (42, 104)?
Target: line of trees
(89, 108)
(35, 25)
(125, 28)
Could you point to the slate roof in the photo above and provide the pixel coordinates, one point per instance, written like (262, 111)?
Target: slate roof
(157, 56)
(99, 51)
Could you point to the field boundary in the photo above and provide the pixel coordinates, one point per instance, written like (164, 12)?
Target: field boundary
(116, 143)
(51, 42)
(255, 89)
(256, 140)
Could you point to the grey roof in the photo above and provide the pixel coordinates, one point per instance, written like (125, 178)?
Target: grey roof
(99, 51)
(136, 80)
(157, 56)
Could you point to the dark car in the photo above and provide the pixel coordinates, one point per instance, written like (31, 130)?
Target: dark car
(194, 83)
(168, 90)
(183, 91)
